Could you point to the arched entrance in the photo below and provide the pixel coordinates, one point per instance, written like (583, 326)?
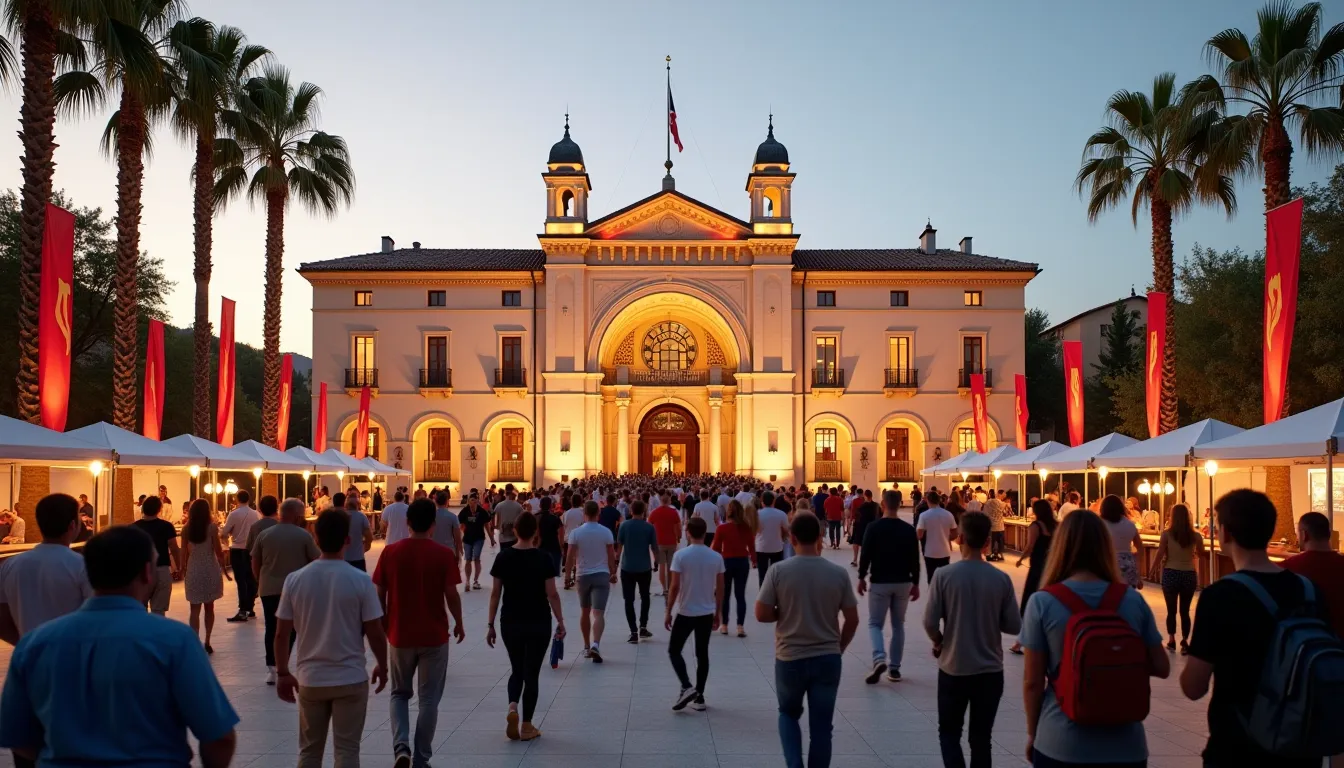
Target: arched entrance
(669, 441)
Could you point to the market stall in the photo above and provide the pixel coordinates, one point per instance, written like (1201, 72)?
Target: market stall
(140, 466)
(1079, 460)
(36, 461)
(1022, 466)
(279, 463)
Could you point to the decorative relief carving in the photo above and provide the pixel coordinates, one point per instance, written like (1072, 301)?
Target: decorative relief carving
(678, 211)
(625, 352)
(713, 352)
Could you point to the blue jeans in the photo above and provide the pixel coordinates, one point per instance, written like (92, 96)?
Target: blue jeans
(817, 678)
(430, 666)
(884, 598)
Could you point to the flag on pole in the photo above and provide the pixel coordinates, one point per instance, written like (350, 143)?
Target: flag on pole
(286, 395)
(979, 413)
(1283, 228)
(154, 377)
(320, 426)
(362, 426)
(1020, 405)
(672, 118)
(55, 323)
(1073, 383)
(1157, 343)
(224, 411)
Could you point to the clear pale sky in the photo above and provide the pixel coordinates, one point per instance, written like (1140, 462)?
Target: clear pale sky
(970, 114)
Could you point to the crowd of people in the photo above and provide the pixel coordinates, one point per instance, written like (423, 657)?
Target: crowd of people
(1089, 640)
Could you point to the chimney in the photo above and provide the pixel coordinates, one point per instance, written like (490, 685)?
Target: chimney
(928, 239)
(388, 244)
(416, 245)
(966, 244)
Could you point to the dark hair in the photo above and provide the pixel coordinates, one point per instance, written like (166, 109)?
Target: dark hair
(1247, 517)
(338, 500)
(268, 506)
(1181, 529)
(525, 527)
(441, 498)
(638, 508)
(1045, 514)
(806, 528)
(198, 522)
(151, 506)
(974, 528)
(398, 496)
(891, 499)
(696, 528)
(1112, 509)
(114, 558)
(243, 497)
(933, 499)
(590, 508)
(55, 512)
(421, 515)
(1314, 524)
(332, 528)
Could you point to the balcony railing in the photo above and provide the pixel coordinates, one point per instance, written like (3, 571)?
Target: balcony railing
(511, 469)
(437, 470)
(510, 377)
(827, 470)
(902, 378)
(964, 377)
(828, 378)
(356, 378)
(436, 378)
(901, 471)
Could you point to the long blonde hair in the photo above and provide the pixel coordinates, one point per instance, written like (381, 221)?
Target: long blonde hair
(1081, 543)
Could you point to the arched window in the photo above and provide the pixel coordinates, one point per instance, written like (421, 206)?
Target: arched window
(669, 346)
(567, 202)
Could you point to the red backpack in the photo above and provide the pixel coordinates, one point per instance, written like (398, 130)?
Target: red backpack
(1103, 674)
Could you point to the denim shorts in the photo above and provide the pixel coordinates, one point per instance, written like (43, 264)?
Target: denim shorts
(472, 550)
(594, 589)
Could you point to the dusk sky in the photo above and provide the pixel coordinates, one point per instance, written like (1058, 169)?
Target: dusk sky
(968, 114)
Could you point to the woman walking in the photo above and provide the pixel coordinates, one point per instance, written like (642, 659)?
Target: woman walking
(868, 512)
(524, 579)
(735, 541)
(1039, 535)
(202, 558)
(1125, 538)
(1174, 565)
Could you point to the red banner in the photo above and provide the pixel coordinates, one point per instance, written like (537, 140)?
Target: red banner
(1283, 227)
(320, 426)
(1157, 345)
(224, 413)
(286, 395)
(1073, 389)
(1020, 405)
(153, 418)
(979, 417)
(362, 426)
(56, 319)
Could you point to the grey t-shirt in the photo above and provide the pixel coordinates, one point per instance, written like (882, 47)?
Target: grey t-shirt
(445, 522)
(354, 551)
(506, 514)
(808, 592)
(975, 604)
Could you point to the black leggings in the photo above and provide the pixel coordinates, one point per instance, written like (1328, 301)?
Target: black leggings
(834, 527)
(763, 562)
(630, 580)
(735, 570)
(526, 644)
(1178, 587)
(682, 627)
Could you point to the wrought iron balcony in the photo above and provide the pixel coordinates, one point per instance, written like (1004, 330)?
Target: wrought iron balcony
(902, 378)
(511, 469)
(964, 377)
(825, 470)
(437, 470)
(828, 378)
(436, 378)
(510, 377)
(357, 378)
(901, 471)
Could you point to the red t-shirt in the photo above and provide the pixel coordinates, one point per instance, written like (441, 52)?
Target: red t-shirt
(733, 540)
(835, 508)
(418, 574)
(666, 523)
(1326, 571)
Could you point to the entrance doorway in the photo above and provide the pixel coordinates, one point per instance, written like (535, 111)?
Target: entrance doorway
(669, 441)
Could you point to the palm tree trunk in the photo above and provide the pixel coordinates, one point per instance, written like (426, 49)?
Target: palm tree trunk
(1164, 280)
(37, 119)
(130, 176)
(204, 211)
(1276, 153)
(270, 351)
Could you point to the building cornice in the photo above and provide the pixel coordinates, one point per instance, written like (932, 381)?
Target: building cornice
(417, 279)
(957, 278)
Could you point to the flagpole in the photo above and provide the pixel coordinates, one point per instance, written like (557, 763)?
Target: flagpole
(667, 122)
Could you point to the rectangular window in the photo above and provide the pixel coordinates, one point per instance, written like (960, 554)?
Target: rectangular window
(898, 353)
(826, 356)
(438, 298)
(825, 298)
(512, 438)
(436, 354)
(513, 298)
(973, 354)
(825, 444)
(965, 439)
(900, 298)
(363, 298)
(363, 354)
(371, 450)
(974, 299)
(511, 360)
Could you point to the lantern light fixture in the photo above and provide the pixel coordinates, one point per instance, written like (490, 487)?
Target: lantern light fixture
(256, 472)
(1102, 472)
(1145, 488)
(194, 470)
(307, 474)
(1168, 489)
(1044, 473)
(1210, 467)
(95, 468)
(997, 474)
(340, 475)
(230, 487)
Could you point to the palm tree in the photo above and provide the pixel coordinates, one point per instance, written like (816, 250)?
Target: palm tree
(277, 154)
(211, 85)
(1154, 149)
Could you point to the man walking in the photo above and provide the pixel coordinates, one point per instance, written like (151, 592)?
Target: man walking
(709, 512)
(592, 556)
(637, 545)
(666, 521)
(476, 524)
(277, 552)
(996, 509)
(447, 528)
(48, 581)
(770, 537)
(804, 596)
(236, 527)
(416, 578)
(332, 608)
(971, 606)
(696, 596)
(393, 522)
(506, 515)
(891, 550)
(167, 555)
(937, 528)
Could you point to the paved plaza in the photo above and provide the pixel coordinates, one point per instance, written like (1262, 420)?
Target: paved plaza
(618, 714)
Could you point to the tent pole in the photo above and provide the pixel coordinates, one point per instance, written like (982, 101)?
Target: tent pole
(1330, 487)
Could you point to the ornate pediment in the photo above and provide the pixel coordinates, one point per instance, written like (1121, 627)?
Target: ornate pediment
(668, 216)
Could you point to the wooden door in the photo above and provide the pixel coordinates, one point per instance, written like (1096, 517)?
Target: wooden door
(512, 438)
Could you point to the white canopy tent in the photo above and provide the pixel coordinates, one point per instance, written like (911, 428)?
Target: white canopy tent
(384, 469)
(982, 462)
(319, 462)
(1079, 458)
(949, 465)
(349, 463)
(1026, 460)
(275, 461)
(1167, 451)
(139, 451)
(24, 443)
(216, 455)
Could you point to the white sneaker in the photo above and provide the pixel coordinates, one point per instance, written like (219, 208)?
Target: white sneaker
(270, 675)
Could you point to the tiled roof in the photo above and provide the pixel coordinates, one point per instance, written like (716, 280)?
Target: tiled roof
(435, 260)
(903, 259)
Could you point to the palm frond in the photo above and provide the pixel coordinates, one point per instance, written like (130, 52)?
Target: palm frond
(229, 185)
(1142, 194)
(1175, 188)
(1322, 128)
(1329, 59)
(79, 93)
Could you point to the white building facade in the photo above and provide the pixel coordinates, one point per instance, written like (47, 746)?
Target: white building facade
(667, 336)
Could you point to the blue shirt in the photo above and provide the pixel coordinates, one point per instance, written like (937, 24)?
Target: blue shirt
(112, 684)
(638, 538)
(1057, 736)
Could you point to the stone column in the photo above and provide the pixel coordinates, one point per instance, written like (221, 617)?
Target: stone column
(715, 436)
(622, 435)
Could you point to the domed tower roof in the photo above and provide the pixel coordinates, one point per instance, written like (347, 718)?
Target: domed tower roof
(565, 150)
(771, 152)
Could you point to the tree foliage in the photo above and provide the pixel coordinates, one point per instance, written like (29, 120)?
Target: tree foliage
(1045, 372)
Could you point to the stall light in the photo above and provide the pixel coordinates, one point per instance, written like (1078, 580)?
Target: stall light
(1210, 467)
(1168, 489)
(95, 468)
(195, 471)
(1145, 488)
(1102, 472)
(340, 475)
(1044, 473)
(997, 474)
(256, 472)
(208, 489)
(230, 487)
(964, 475)
(306, 474)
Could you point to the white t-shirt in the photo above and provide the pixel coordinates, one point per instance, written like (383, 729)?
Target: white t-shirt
(535, 504)
(699, 567)
(722, 501)
(745, 497)
(592, 539)
(42, 584)
(1066, 508)
(329, 601)
(771, 538)
(573, 518)
(237, 526)
(1122, 535)
(707, 511)
(937, 524)
(974, 506)
(394, 517)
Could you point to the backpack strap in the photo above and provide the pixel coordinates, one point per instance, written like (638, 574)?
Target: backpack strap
(1068, 597)
(1114, 595)
(1259, 591)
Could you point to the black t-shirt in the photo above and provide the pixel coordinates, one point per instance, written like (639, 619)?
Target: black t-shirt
(473, 525)
(610, 517)
(891, 550)
(162, 532)
(1232, 632)
(550, 526)
(524, 573)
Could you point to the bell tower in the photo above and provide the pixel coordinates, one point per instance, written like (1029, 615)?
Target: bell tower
(769, 185)
(567, 188)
